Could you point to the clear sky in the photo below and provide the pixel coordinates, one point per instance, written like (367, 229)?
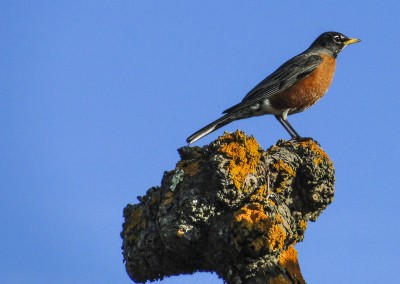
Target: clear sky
(96, 96)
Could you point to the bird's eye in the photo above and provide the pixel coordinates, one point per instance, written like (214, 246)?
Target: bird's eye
(337, 38)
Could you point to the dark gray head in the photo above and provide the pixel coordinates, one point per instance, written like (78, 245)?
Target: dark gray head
(333, 42)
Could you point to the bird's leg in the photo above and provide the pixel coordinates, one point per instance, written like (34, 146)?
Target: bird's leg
(289, 128)
(297, 136)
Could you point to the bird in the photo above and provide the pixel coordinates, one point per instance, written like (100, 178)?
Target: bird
(295, 86)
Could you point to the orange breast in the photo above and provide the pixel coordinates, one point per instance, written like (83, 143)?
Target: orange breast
(309, 90)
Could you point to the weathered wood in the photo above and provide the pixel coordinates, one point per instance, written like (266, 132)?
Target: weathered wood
(231, 208)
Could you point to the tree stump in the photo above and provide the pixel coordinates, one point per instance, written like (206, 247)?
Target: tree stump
(230, 208)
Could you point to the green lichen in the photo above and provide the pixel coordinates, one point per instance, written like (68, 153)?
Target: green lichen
(177, 178)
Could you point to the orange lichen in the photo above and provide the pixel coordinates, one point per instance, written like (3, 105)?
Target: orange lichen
(310, 144)
(280, 279)
(288, 260)
(303, 225)
(244, 154)
(285, 175)
(283, 167)
(317, 161)
(260, 194)
(180, 233)
(252, 217)
(279, 218)
(189, 168)
(276, 237)
(256, 229)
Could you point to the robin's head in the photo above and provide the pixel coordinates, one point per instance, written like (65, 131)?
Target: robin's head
(333, 42)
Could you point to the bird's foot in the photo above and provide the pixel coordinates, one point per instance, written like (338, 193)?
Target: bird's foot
(301, 139)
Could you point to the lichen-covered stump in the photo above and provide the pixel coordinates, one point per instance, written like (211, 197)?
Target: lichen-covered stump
(231, 208)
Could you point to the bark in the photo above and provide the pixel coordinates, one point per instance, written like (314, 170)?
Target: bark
(230, 208)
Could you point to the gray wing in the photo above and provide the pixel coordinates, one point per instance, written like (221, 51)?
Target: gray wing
(291, 72)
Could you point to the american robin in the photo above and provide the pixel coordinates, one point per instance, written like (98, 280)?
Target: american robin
(293, 87)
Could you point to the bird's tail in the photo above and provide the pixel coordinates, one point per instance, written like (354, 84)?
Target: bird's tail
(211, 127)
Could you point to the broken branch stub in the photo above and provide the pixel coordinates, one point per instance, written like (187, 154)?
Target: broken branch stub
(231, 208)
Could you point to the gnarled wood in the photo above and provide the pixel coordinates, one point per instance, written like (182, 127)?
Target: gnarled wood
(232, 208)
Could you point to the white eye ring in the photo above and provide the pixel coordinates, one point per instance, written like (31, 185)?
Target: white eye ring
(336, 38)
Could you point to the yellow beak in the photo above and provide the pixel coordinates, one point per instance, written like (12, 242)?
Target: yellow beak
(351, 41)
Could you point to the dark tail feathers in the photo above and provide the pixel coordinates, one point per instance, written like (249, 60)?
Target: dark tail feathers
(210, 128)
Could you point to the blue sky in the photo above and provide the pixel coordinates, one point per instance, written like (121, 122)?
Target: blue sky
(96, 96)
